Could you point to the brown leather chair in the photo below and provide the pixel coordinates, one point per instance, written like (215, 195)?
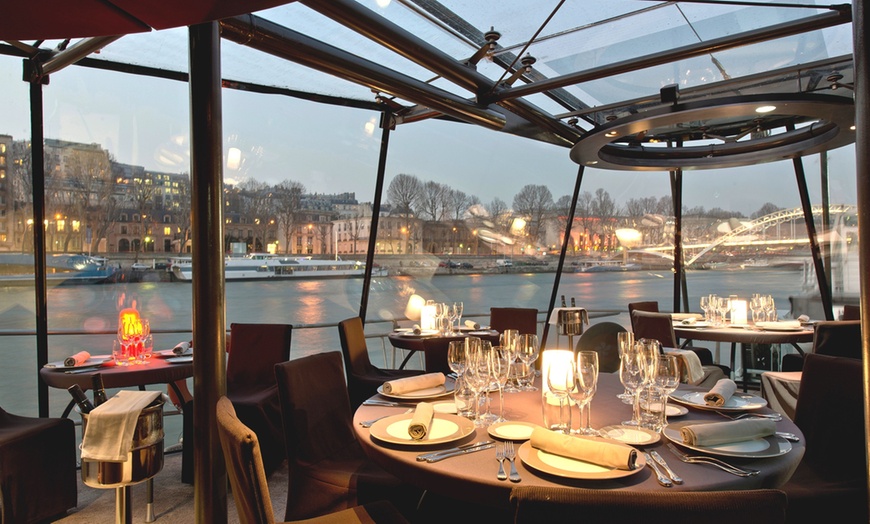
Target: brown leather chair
(851, 312)
(37, 468)
(837, 338)
(524, 320)
(831, 479)
(537, 504)
(363, 378)
(250, 490)
(329, 470)
(254, 351)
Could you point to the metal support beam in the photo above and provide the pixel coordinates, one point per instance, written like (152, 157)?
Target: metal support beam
(679, 53)
(269, 37)
(37, 167)
(562, 253)
(209, 299)
(386, 126)
(58, 60)
(679, 270)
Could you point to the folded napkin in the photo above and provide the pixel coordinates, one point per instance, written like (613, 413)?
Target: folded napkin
(421, 421)
(691, 317)
(725, 432)
(404, 385)
(416, 329)
(472, 324)
(803, 319)
(183, 348)
(688, 321)
(605, 454)
(109, 432)
(691, 370)
(787, 324)
(76, 360)
(720, 392)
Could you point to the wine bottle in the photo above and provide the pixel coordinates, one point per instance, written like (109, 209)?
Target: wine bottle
(563, 301)
(99, 389)
(80, 398)
(573, 304)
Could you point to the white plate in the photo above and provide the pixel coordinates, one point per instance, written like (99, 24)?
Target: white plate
(512, 430)
(570, 468)
(631, 435)
(445, 428)
(93, 362)
(480, 333)
(180, 360)
(421, 334)
(765, 447)
(673, 410)
(168, 353)
(445, 407)
(698, 324)
(737, 402)
(775, 326)
(421, 394)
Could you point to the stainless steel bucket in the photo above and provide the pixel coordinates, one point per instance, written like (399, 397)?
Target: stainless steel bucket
(571, 321)
(144, 460)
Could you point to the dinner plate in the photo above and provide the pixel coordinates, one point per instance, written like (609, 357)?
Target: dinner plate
(673, 410)
(570, 468)
(511, 430)
(168, 353)
(93, 362)
(631, 435)
(445, 407)
(699, 324)
(421, 334)
(766, 447)
(466, 329)
(737, 402)
(445, 428)
(776, 326)
(421, 394)
(180, 360)
(481, 333)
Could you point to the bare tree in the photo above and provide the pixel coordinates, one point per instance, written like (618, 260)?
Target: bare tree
(432, 203)
(287, 198)
(404, 193)
(498, 213)
(182, 213)
(638, 207)
(142, 199)
(457, 204)
(257, 209)
(605, 208)
(534, 202)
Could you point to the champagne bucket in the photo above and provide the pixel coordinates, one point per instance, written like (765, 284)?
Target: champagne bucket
(144, 460)
(571, 321)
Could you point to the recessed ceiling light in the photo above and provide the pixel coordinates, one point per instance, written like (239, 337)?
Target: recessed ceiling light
(591, 162)
(852, 127)
(611, 133)
(765, 109)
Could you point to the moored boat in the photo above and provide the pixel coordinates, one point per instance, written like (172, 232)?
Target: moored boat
(61, 268)
(265, 266)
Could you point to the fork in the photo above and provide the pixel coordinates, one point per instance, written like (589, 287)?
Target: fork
(511, 454)
(721, 464)
(499, 456)
(772, 416)
(368, 423)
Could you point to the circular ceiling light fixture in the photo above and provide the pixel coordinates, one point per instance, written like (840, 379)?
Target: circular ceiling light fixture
(717, 133)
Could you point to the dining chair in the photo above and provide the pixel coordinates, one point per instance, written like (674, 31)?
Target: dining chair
(254, 350)
(524, 320)
(832, 476)
(37, 467)
(328, 468)
(838, 338)
(603, 339)
(851, 312)
(363, 378)
(538, 504)
(247, 476)
(659, 326)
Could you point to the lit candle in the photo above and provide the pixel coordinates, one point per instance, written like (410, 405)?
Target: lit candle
(738, 312)
(129, 324)
(427, 317)
(560, 360)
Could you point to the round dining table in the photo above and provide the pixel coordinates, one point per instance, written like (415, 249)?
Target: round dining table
(434, 346)
(472, 478)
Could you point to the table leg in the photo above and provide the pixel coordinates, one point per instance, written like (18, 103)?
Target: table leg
(149, 501)
(122, 506)
(407, 358)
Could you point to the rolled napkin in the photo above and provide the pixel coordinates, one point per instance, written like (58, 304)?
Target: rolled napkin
(720, 392)
(407, 384)
(416, 329)
(109, 433)
(183, 348)
(472, 324)
(76, 360)
(803, 319)
(689, 321)
(605, 454)
(725, 432)
(691, 370)
(421, 421)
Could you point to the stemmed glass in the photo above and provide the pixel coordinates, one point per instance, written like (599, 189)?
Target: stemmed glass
(527, 350)
(713, 309)
(457, 310)
(585, 385)
(770, 308)
(450, 315)
(624, 339)
(705, 306)
(756, 305)
(724, 306)
(560, 381)
(667, 380)
(631, 376)
(480, 373)
(500, 361)
(457, 358)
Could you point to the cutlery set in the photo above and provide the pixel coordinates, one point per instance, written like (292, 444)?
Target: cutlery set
(704, 459)
(473, 447)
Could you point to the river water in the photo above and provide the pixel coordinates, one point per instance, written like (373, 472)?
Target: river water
(306, 304)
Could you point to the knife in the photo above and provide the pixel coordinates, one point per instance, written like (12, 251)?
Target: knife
(658, 458)
(472, 449)
(389, 404)
(425, 456)
(663, 480)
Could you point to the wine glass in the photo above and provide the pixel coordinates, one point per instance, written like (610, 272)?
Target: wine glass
(585, 385)
(713, 308)
(631, 376)
(756, 305)
(457, 310)
(500, 361)
(624, 339)
(705, 306)
(560, 382)
(439, 314)
(528, 350)
(724, 306)
(450, 316)
(770, 308)
(457, 358)
(667, 380)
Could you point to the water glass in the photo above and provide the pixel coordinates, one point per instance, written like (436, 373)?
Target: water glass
(124, 353)
(464, 398)
(556, 412)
